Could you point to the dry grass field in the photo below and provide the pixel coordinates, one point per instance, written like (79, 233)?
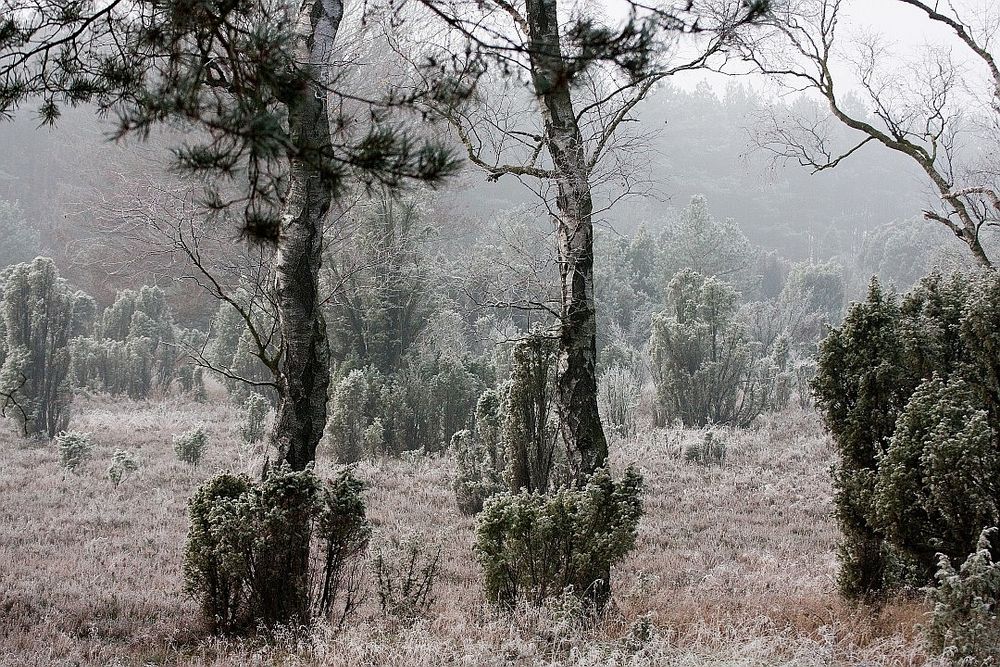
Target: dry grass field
(735, 564)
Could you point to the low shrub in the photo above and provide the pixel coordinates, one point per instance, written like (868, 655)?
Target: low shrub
(74, 448)
(123, 463)
(536, 545)
(964, 625)
(255, 412)
(405, 573)
(711, 450)
(253, 548)
(342, 532)
(477, 476)
(190, 446)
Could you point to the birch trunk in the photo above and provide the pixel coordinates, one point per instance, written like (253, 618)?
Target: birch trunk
(305, 363)
(576, 371)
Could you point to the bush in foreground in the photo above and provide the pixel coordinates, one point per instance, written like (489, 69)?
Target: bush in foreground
(245, 537)
(964, 627)
(533, 546)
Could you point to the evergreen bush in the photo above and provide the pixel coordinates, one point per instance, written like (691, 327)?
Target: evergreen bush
(710, 450)
(405, 573)
(533, 546)
(255, 412)
(74, 448)
(123, 463)
(190, 445)
(245, 538)
(705, 365)
(40, 316)
(909, 390)
(964, 626)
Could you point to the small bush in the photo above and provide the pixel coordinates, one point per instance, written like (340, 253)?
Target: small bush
(255, 412)
(405, 574)
(254, 547)
(74, 448)
(619, 390)
(123, 463)
(477, 476)
(533, 546)
(709, 451)
(964, 626)
(190, 446)
(342, 532)
(218, 556)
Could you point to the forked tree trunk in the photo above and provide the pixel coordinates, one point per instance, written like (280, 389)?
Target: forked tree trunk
(576, 372)
(305, 364)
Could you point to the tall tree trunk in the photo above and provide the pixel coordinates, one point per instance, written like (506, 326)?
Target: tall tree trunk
(304, 372)
(305, 364)
(576, 372)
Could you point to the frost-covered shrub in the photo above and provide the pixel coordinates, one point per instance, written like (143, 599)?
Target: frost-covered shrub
(619, 390)
(190, 445)
(528, 426)
(119, 368)
(142, 318)
(405, 573)
(706, 367)
(341, 533)
(861, 386)
(123, 463)
(480, 458)
(356, 403)
(477, 475)
(218, 556)
(938, 481)
(253, 548)
(964, 625)
(255, 412)
(910, 390)
(231, 348)
(710, 450)
(536, 545)
(40, 316)
(74, 448)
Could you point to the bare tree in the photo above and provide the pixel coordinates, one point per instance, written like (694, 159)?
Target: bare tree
(584, 80)
(925, 109)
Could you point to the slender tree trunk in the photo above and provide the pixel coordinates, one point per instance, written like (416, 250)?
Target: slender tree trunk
(576, 372)
(305, 363)
(304, 371)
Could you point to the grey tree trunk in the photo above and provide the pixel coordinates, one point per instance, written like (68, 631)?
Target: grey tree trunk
(576, 372)
(305, 363)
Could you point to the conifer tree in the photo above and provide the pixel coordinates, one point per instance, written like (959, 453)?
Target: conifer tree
(40, 315)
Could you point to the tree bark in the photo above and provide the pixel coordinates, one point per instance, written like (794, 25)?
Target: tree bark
(576, 371)
(304, 376)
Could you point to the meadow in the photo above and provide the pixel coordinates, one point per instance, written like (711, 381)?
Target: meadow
(735, 565)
